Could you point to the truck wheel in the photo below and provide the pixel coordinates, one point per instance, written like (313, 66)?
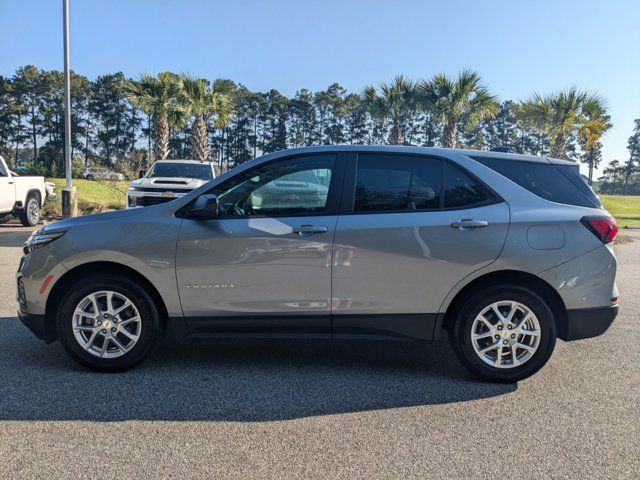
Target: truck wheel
(30, 214)
(89, 177)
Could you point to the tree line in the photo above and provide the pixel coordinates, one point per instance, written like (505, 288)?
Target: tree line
(122, 122)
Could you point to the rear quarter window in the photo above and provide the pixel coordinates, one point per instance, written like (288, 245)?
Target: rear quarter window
(557, 183)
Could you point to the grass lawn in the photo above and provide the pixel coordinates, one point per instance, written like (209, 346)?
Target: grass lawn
(626, 209)
(93, 196)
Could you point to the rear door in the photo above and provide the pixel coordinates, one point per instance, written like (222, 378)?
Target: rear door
(410, 228)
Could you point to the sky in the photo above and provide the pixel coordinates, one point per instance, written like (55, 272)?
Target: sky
(519, 47)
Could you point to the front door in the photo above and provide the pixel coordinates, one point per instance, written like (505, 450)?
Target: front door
(263, 266)
(417, 226)
(7, 190)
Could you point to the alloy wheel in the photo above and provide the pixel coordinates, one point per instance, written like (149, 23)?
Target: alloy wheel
(106, 324)
(33, 211)
(505, 334)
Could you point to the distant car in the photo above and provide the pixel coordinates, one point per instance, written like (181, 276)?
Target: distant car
(22, 197)
(101, 173)
(504, 252)
(167, 180)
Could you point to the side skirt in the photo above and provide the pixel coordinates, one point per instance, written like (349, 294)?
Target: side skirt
(414, 326)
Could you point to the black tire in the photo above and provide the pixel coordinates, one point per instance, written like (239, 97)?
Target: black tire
(30, 215)
(150, 330)
(460, 335)
(89, 177)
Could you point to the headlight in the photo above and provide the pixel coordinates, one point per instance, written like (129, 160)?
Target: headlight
(38, 239)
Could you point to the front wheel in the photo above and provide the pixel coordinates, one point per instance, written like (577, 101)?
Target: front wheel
(30, 215)
(504, 333)
(108, 323)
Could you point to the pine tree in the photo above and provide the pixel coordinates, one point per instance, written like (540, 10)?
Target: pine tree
(633, 164)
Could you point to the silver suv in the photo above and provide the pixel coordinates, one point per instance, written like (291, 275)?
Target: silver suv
(504, 252)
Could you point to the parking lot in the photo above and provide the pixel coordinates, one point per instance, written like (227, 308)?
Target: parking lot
(256, 409)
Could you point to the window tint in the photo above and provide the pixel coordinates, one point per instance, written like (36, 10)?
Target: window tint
(184, 170)
(543, 179)
(460, 190)
(572, 172)
(290, 187)
(397, 183)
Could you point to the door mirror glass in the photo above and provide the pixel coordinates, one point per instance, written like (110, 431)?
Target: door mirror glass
(206, 207)
(142, 173)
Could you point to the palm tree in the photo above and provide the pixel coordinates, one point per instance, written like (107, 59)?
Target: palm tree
(453, 101)
(157, 96)
(396, 102)
(202, 102)
(595, 123)
(562, 114)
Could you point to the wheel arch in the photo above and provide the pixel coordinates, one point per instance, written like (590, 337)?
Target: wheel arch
(514, 277)
(35, 193)
(71, 276)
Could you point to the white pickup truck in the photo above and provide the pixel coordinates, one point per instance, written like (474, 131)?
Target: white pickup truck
(167, 180)
(22, 197)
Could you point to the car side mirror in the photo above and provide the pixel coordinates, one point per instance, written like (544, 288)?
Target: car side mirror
(142, 173)
(206, 207)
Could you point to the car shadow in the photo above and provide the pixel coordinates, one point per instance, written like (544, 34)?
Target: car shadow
(232, 380)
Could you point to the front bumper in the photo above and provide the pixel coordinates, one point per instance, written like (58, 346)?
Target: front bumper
(142, 198)
(39, 326)
(586, 322)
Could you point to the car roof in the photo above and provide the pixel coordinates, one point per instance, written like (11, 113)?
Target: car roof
(168, 160)
(443, 152)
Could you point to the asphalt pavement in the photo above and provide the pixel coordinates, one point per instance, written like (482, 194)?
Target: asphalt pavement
(318, 409)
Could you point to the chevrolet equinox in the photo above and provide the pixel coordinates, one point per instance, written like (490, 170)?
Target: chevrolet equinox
(504, 252)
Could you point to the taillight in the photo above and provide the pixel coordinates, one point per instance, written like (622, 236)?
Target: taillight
(604, 228)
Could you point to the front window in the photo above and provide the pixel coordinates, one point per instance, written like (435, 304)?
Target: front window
(181, 170)
(290, 187)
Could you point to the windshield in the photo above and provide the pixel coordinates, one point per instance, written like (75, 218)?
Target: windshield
(182, 170)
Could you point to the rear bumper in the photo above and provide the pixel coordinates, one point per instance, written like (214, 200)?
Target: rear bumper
(40, 328)
(586, 322)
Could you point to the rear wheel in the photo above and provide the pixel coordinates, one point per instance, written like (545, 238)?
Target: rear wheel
(108, 323)
(30, 215)
(504, 333)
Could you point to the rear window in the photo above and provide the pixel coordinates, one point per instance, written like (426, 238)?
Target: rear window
(557, 183)
(572, 172)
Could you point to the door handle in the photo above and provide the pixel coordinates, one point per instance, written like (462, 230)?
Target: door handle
(308, 230)
(10, 183)
(467, 224)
